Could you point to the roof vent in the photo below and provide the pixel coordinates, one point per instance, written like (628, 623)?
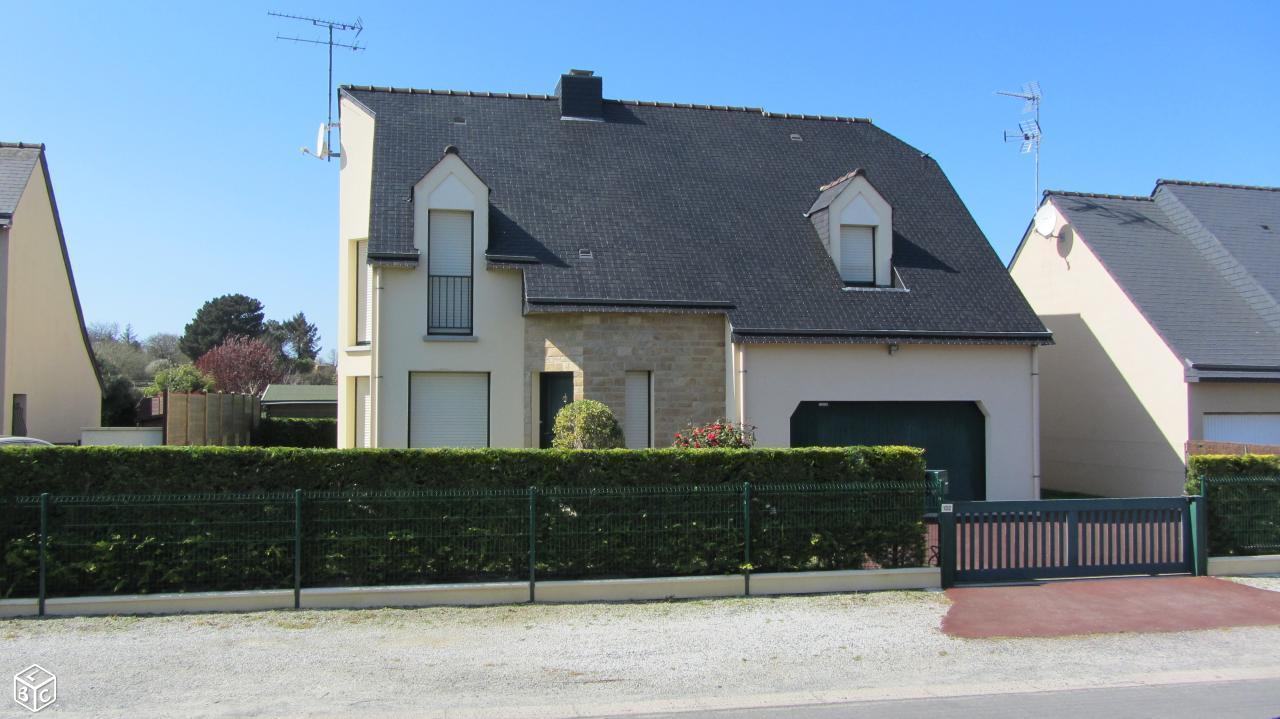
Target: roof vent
(584, 254)
(795, 137)
(459, 120)
(580, 93)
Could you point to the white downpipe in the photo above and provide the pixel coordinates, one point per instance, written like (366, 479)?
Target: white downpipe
(1035, 419)
(742, 383)
(374, 341)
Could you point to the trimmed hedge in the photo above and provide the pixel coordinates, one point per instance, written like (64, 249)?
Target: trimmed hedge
(161, 470)
(1229, 465)
(309, 433)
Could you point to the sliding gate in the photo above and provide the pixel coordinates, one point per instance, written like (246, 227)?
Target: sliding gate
(1058, 538)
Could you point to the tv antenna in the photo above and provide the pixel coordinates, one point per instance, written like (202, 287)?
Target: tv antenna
(323, 139)
(1028, 132)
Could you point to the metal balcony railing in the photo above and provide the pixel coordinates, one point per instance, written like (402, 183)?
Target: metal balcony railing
(449, 305)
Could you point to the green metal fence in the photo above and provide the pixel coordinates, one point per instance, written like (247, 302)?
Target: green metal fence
(64, 546)
(1244, 514)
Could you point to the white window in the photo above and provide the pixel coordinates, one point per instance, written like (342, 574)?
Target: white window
(449, 409)
(364, 413)
(857, 253)
(449, 272)
(1243, 428)
(364, 293)
(635, 424)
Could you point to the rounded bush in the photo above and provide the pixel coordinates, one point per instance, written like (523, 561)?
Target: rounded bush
(586, 424)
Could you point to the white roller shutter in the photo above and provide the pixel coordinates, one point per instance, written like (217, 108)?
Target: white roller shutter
(635, 424)
(364, 292)
(449, 243)
(1245, 428)
(449, 409)
(364, 413)
(857, 253)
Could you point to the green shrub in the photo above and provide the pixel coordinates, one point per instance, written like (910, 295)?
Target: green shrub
(1242, 499)
(315, 433)
(183, 378)
(618, 513)
(1229, 465)
(586, 424)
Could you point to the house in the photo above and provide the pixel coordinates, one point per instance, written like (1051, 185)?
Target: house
(1166, 314)
(812, 276)
(300, 400)
(49, 381)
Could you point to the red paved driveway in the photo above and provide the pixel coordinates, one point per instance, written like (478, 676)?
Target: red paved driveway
(1095, 606)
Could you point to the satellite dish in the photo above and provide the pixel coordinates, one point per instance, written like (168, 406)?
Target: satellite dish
(322, 141)
(1046, 220)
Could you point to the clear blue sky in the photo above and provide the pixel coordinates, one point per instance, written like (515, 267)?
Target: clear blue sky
(173, 134)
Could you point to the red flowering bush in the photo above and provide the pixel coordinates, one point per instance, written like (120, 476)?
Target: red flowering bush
(720, 433)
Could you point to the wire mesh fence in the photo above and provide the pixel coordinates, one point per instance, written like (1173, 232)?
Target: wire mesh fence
(67, 546)
(1244, 514)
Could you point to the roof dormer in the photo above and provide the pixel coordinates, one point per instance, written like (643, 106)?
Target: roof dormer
(856, 226)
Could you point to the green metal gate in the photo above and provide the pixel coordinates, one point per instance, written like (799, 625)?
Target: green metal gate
(1052, 539)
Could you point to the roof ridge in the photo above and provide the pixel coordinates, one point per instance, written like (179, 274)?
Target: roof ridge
(1097, 195)
(1224, 185)
(23, 145)
(846, 176)
(637, 103)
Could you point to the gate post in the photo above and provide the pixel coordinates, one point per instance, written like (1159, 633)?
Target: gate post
(1199, 535)
(746, 538)
(947, 544)
(297, 549)
(44, 549)
(533, 541)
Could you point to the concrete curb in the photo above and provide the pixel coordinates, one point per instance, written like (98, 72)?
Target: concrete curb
(592, 590)
(1244, 566)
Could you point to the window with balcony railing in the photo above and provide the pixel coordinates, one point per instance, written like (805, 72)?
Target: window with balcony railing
(449, 270)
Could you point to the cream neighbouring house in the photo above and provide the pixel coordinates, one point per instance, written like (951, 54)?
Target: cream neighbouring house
(813, 276)
(1166, 314)
(48, 379)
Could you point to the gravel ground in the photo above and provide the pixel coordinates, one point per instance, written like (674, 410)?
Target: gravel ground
(1270, 582)
(574, 660)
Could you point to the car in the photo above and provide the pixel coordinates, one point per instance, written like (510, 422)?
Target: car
(23, 442)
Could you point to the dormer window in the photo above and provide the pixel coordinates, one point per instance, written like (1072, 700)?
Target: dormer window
(858, 254)
(855, 224)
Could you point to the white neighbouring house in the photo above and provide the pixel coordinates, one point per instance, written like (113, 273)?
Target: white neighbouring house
(812, 276)
(1165, 311)
(49, 383)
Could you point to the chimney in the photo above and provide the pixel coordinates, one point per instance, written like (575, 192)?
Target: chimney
(580, 95)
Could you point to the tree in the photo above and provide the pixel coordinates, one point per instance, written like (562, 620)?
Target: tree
(128, 338)
(128, 360)
(586, 424)
(220, 319)
(242, 365)
(164, 346)
(103, 331)
(302, 337)
(119, 398)
(182, 378)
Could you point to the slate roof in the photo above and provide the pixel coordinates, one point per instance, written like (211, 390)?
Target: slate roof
(1201, 262)
(17, 160)
(285, 393)
(687, 205)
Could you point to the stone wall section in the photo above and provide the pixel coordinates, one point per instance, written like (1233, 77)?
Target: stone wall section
(685, 353)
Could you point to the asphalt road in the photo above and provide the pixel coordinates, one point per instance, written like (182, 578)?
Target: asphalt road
(1254, 699)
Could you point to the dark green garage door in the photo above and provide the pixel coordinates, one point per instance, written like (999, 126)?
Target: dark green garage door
(953, 434)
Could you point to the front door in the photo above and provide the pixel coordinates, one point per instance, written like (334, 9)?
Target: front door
(556, 390)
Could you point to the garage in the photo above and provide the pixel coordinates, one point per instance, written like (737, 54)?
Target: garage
(953, 434)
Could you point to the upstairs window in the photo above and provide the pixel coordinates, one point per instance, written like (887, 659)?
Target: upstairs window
(449, 272)
(858, 254)
(364, 293)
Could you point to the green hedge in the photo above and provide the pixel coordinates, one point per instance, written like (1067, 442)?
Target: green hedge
(1229, 465)
(148, 470)
(309, 433)
(619, 513)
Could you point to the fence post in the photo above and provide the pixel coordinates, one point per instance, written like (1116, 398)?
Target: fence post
(533, 542)
(746, 538)
(1199, 534)
(947, 544)
(44, 544)
(297, 549)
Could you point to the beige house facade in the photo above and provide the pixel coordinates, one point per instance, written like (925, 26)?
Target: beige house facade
(1166, 328)
(48, 380)
(502, 255)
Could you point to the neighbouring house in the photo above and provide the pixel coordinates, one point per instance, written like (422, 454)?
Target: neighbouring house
(812, 276)
(1166, 314)
(49, 382)
(300, 400)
